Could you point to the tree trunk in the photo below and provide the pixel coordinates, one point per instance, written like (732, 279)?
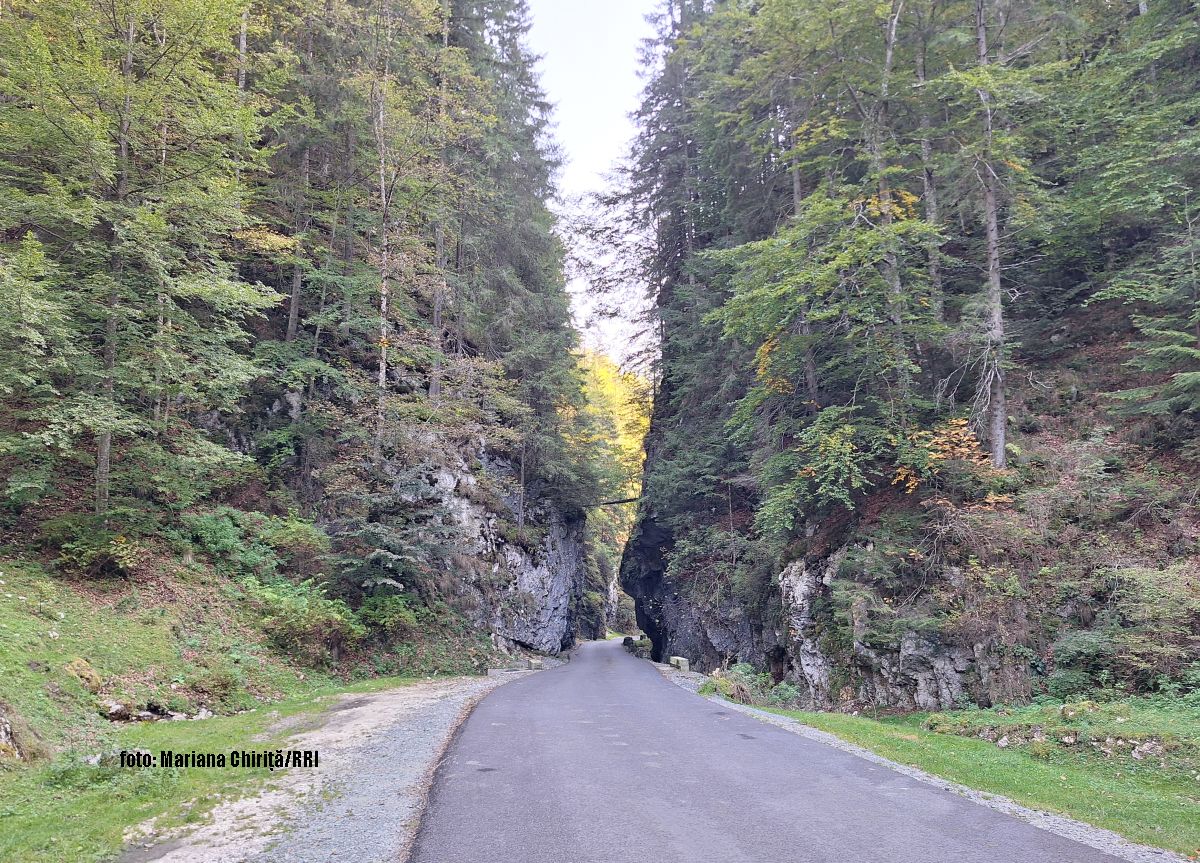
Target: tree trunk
(385, 286)
(105, 441)
(293, 323)
(439, 295)
(521, 492)
(382, 147)
(891, 258)
(993, 375)
(811, 380)
(933, 249)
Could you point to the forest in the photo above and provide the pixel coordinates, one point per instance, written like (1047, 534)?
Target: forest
(925, 285)
(306, 445)
(285, 301)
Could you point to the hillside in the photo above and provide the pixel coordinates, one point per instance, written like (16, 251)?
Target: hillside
(289, 388)
(924, 435)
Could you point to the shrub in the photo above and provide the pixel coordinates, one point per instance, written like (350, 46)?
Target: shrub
(222, 536)
(1083, 649)
(104, 555)
(95, 546)
(243, 543)
(302, 621)
(1068, 682)
(784, 693)
(393, 613)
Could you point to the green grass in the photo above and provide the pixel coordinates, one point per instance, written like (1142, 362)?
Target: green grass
(69, 812)
(181, 643)
(1140, 800)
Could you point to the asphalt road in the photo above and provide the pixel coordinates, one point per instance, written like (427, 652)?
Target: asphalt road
(602, 760)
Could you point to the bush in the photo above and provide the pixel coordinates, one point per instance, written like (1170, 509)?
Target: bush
(1083, 649)
(784, 693)
(222, 535)
(248, 543)
(302, 621)
(93, 546)
(1068, 682)
(393, 613)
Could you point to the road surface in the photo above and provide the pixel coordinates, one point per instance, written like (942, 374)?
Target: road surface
(604, 761)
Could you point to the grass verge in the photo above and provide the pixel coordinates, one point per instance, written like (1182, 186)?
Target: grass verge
(180, 642)
(1148, 801)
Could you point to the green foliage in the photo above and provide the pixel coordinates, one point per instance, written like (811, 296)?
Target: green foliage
(223, 535)
(159, 185)
(301, 620)
(1068, 683)
(831, 461)
(395, 614)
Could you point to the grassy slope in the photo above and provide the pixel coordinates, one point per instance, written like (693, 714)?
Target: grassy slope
(68, 812)
(1140, 800)
(179, 642)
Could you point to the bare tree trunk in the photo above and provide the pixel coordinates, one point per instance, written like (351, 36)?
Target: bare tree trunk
(385, 276)
(812, 384)
(293, 323)
(1193, 269)
(993, 377)
(439, 295)
(383, 149)
(104, 441)
(241, 67)
(891, 257)
(348, 243)
(933, 249)
(521, 492)
(319, 331)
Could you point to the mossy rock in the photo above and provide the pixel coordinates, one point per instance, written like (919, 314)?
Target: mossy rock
(87, 676)
(18, 741)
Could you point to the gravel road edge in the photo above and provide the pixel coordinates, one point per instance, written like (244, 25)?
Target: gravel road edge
(1060, 825)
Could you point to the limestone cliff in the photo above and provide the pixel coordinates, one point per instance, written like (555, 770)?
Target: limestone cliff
(528, 590)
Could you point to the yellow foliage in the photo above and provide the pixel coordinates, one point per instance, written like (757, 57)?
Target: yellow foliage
(264, 241)
(907, 477)
(624, 398)
(901, 205)
(953, 441)
(774, 384)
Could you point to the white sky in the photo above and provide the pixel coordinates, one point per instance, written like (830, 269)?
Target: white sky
(589, 70)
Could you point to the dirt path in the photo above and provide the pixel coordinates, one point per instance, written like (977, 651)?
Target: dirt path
(377, 751)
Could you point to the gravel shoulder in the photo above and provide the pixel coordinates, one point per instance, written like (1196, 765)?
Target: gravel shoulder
(1085, 834)
(378, 752)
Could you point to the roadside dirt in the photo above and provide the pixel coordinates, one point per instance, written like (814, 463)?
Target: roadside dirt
(377, 756)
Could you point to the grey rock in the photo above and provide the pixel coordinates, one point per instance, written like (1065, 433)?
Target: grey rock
(114, 710)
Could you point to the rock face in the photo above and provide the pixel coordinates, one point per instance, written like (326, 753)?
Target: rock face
(919, 671)
(526, 592)
(708, 635)
(801, 588)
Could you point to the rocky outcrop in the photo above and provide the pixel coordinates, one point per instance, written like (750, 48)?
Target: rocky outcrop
(918, 671)
(711, 635)
(18, 741)
(801, 587)
(526, 590)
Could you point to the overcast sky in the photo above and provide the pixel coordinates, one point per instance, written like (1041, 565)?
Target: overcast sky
(589, 70)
